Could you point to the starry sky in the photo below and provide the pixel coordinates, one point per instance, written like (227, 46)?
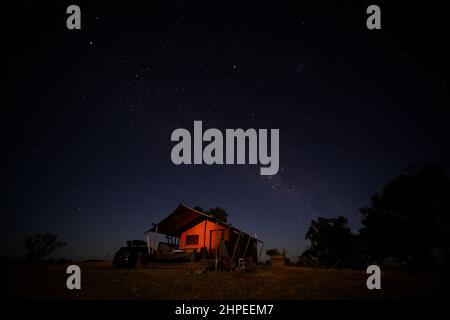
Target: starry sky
(88, 128)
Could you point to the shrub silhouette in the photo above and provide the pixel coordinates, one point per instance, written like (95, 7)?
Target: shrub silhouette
(39, 246)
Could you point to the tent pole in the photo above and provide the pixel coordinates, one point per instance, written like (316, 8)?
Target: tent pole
(147, 237)
(246, 247)
(216, 262)
(260, 252)
(204, 235)
(234, 250)
(154, 240)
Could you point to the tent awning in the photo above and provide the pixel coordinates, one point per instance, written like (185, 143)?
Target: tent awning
(183, 218)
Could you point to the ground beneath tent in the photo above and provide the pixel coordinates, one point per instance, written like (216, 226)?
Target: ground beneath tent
(101, 281)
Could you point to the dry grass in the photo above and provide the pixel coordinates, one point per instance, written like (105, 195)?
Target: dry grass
(101, 281)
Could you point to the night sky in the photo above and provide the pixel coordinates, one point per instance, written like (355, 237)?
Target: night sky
(88, 128)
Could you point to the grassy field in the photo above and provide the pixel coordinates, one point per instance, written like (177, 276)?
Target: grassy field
(101, 281)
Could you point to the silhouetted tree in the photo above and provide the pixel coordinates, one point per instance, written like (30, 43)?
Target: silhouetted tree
(217, 213)
(39, 246)
(332, 243)
(410, 220)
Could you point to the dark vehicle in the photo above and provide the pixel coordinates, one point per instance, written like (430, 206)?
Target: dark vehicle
(136, 254)
(131, 256)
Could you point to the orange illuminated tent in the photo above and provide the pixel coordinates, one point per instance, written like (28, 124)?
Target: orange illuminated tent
(203, 236)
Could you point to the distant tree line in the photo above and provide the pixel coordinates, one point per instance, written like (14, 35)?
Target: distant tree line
(408, 223)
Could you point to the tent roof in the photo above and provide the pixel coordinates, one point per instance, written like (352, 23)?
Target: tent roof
(183, 218)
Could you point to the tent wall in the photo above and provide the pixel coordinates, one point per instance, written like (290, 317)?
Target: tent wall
(208, 235)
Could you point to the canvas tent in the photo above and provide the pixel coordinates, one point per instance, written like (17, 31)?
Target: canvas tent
(192, 231)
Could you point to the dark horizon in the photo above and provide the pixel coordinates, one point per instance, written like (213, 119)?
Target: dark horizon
(88, 148)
